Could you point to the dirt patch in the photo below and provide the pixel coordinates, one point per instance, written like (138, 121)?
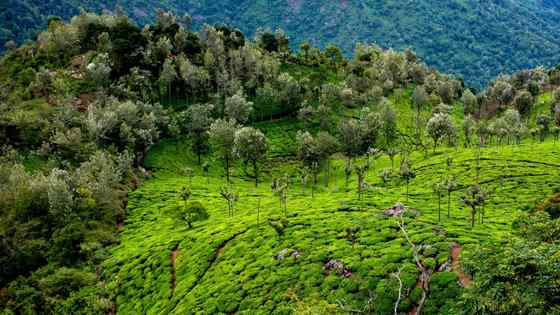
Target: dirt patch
(84, 100)
(412, 311)
(174, 254)
(464, 280)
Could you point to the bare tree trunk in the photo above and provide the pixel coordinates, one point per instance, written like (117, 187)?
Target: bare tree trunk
(227, 167)
(425, 273)
(449, 204)
(258, 210)
(256, 171)
(397, 275)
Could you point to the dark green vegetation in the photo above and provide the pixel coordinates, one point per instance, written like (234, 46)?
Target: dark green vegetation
(159, 170)
(476, 40)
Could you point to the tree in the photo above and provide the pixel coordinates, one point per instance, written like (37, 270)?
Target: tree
(222, 137)
(406, 173)
(289, 92)
(500, 129)
(439, 127)
(351, 139)
(446, 92)
(231, 196)
(185, 195)
(371, 125)
(238, 108)
(470, 102)
(514, 123)
(450, 185)
(326, 145)
(99, 70)
(420, 99)
(167, 76)
(127, 125)
(280, 187)
(43, 83)
(10, 45)
(305, 114)
(188, 172)
(314, 151)
(372, 155)
(392, 153)
(543, 124)
(250, 145)
(473, 197)
(524, 103)
(468, 129)
(361, 171)
(199, 120)
(322, 114)
(438, 189)
(334, 54)
(525, 280)
(268, 41)
(193, 212)
(305, 47)
(389, 124)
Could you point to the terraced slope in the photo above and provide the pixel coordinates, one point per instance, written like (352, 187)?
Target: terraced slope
(242, 265)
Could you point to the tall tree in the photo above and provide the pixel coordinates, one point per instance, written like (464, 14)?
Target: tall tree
(473, 197)
(420, 100)
(222, 137)
(238, 108)
(407, 173)
(250, 145)
(439, 127)
(199, 120)
(351, 139)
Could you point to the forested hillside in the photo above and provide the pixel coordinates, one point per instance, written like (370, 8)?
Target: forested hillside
(476, 40)
(160, 170)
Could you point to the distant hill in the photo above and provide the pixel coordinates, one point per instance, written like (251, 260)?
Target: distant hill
(474, 39)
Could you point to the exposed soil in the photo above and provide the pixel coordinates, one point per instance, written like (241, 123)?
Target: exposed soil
(84, 100)
(464, 280)
(174, 254)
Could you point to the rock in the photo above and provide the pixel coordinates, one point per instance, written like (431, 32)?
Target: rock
(282, 254)
(338, 267)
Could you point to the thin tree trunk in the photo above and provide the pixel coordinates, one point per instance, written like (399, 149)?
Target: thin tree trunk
(258, 210)
(407, 190)
(439, 206)
(256, 171)
(227, 167)
(449, 204)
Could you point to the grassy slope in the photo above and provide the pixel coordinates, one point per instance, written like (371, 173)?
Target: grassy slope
(227, 265)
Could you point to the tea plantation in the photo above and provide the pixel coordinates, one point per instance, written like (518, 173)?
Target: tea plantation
(266, 259)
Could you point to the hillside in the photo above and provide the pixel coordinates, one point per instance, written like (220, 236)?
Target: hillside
(475, 40)
(232, 264)
(161, 170)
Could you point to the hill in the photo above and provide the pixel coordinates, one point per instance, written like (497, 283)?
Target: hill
(158, 170)
(475, 40)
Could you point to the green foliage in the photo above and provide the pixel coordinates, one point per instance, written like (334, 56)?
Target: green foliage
(83, 109)
(193, 212)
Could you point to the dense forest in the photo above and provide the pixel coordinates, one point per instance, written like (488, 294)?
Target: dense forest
(472, 39)
(163, 170)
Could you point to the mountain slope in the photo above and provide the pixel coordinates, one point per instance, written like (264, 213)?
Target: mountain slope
(474, 39)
